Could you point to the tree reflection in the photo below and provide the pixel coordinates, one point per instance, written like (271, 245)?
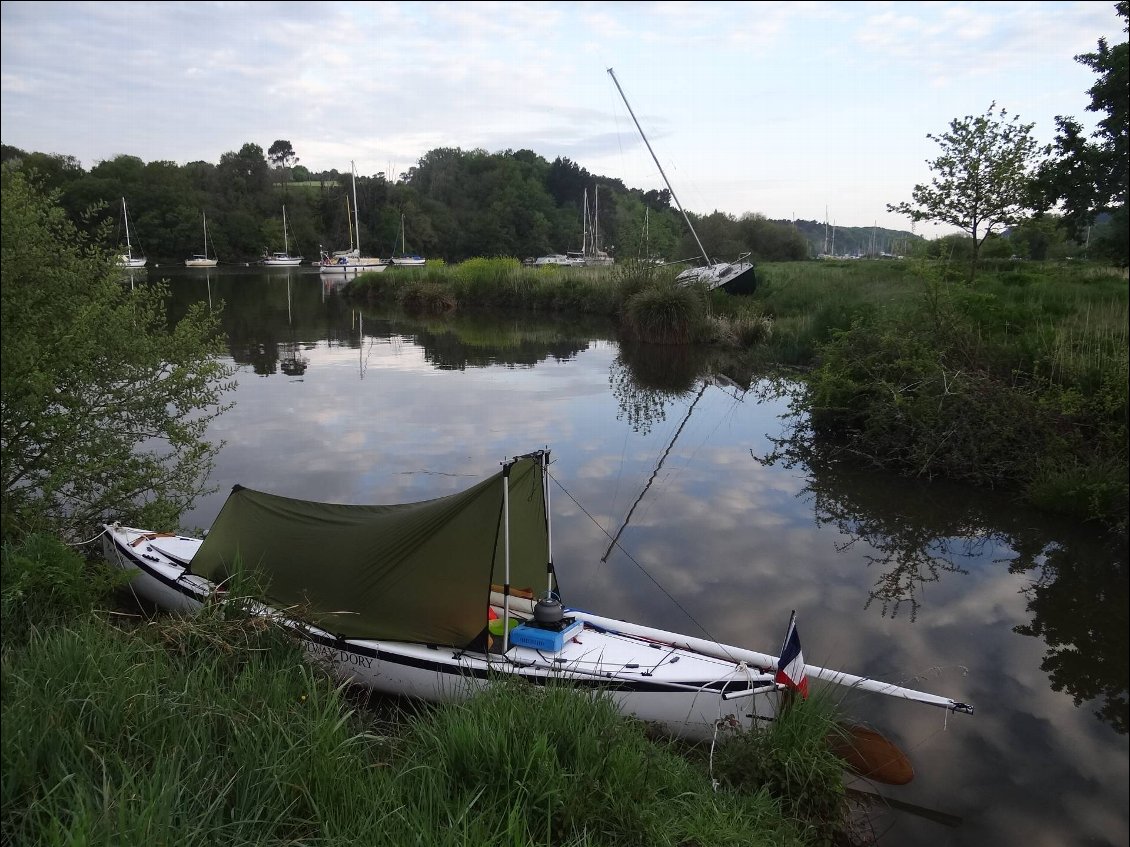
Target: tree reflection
(920, 532)
(1079, 607)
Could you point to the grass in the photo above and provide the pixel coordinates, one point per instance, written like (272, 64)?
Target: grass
(124, 730)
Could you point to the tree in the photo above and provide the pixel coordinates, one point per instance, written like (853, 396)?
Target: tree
(982, 180)
(103, 407)
(281, 155)
(1090, 175)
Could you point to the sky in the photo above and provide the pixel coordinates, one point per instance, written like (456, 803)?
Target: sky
(791, 110)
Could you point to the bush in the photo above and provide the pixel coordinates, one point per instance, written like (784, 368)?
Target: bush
(666, 314)
(43, 582)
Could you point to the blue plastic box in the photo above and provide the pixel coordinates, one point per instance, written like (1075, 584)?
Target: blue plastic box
(535, 638)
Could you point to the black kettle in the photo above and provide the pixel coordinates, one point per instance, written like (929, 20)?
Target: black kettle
(548, 610)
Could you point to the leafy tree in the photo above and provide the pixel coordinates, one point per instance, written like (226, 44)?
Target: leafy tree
(281, 155)
(982, 179)
(1089, 175)
(103, 407)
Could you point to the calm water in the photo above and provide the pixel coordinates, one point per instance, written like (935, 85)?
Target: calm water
(942, 588)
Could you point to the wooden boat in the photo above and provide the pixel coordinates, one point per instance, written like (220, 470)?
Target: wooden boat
(437, 598)
(736, 277)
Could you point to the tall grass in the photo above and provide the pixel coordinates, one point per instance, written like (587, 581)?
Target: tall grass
(214, 730)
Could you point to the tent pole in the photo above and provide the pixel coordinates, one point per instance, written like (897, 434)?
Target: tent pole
(506, 558)
(548, 520)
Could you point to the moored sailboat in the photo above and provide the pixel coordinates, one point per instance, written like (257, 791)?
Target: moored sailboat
(283, 259)
(406, 259)
(351, 261)
(128, 259)
(202, 260)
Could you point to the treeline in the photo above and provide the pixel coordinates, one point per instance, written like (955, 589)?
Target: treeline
(453, 205)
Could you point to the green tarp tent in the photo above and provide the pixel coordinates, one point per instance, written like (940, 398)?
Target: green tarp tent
(407, 572)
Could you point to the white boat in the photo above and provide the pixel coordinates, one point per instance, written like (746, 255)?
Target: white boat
(556, 259)
(736, 277)
(202, 260)
(283, 259)
(406, 259)
(128, 259)
(433, 599)
(591, 253)
(351, 261)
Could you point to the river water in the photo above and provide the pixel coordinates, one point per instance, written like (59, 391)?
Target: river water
(938, 587)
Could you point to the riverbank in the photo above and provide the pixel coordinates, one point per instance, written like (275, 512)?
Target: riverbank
(122, 729)
(1016, 382)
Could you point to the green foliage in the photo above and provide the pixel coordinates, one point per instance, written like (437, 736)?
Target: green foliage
(981, 179)
(791, 760)
(1091, 174)
(666, 313)
(44, 583)
(1022, 386)
(104, 408)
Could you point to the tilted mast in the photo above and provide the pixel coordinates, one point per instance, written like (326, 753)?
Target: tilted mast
(661, 173)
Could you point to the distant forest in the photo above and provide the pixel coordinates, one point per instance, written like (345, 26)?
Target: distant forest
(453, 205)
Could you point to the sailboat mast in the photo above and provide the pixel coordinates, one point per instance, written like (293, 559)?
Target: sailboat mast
(205, 216)
(656, 160)
(125, 218)
(286, 241)
(356, 220)
(585, 226)
(595, 219)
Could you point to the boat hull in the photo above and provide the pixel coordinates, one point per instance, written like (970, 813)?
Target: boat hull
(127, 262)
(732, 277)
(290, 262)
(681, 692)
(375, 266)
(200, 263)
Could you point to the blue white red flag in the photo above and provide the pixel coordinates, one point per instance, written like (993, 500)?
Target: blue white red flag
(790, 667)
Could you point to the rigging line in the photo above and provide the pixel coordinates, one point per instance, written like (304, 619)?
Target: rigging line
(662, 459)
(631, 558)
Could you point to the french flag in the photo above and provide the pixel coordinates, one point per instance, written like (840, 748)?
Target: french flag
(790, 667)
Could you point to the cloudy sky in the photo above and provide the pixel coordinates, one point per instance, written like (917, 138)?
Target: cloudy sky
(805, 109)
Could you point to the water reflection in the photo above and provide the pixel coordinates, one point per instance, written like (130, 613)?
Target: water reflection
(913, 534)
(940, 587)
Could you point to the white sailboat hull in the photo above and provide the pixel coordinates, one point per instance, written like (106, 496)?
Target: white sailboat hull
(682, 691)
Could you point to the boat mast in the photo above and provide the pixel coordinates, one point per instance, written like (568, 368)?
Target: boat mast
(286, 241)
(125, 217)
(661, 173)
(595, 219)
(205, 216)
(356, 220)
